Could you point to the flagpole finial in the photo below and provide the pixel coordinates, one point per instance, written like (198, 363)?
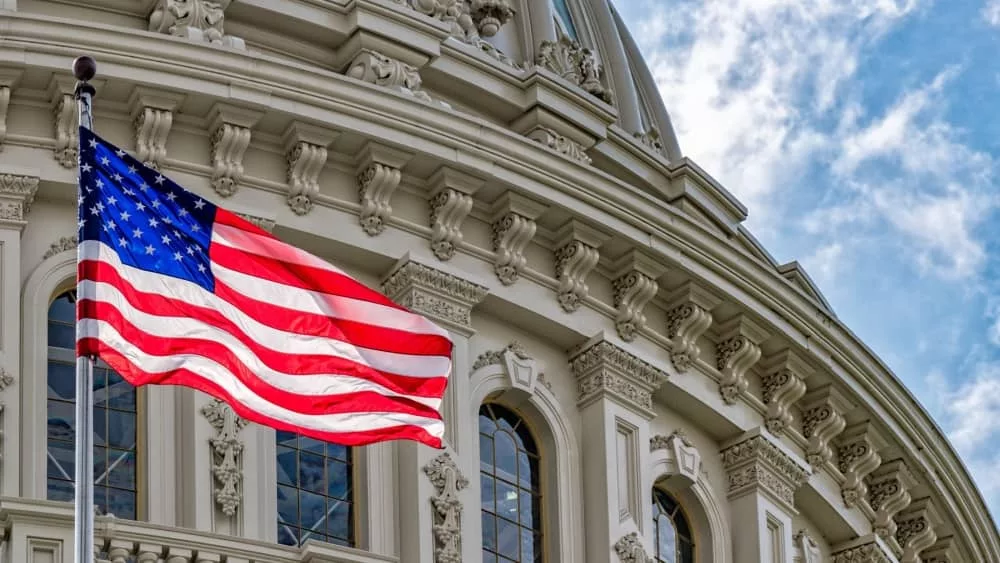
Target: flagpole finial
(84, 68)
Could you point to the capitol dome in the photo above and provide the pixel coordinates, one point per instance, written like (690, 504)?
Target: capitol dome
(635, 378)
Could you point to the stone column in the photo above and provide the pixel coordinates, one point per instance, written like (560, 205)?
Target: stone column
(615, 403)
(16, 194)
(429, 483)
(763, 478)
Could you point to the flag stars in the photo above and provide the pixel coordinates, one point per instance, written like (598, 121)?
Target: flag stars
(165, 239)
(137, 233)
(93, 143)
(105, 161)
(198, 204)
(201, 267)
(112, 200)
(153, 222)
(183, 212)
(150, 250)
(171, 196)
(178, 256)
(125, 215)
(159, 179)
(86, 168)
(131, 169)
(122, 242)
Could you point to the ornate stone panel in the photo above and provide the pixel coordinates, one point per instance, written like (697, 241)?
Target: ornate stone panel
(577, 254)
(602, 369)
(689, 315)
(915, 529)
(152, 117)
(513, 227)
(782, 381)
(823, 412)
(577, 64)
(448, 481)
(17, 193)
(306, 153)
(634, 284)
(443, 297)
(384, 71)
(450, 203)
(738, 349)
(759, 463)
(198, 20)
(378, 177)
(857, 458)
(630, 550)
(889, 493)
(229, 127)
(227, 448)
(61, 245)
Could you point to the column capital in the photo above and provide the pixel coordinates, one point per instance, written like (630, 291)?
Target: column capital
(441, 296)
(756, 461)
(604, 369)
(866, 549)
(17, 193)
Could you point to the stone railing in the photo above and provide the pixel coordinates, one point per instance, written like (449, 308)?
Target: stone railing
(34, 531)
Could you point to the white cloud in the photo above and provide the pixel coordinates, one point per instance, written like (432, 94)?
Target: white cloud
(991, 12)
(824, 264)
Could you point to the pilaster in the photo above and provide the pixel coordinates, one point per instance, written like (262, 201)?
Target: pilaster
(306, 153)
(738, 349)
(196, 501)
(889, 493)
(783, 381)
(763, 478)
(857, 458)
(514, 226)
(615, 404)
(379, 173)
(230, 130)
(451, 194)
(689, 315)
(823, 412)
(577, 252)
(634, 284)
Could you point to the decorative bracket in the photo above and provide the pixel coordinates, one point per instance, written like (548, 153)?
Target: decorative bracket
(783, 384)
(737, 351)
(153, 116)
(689, 315)
(630, 550)
(378, 177)
(378, 69)
(634, 286)
(758, 462)
(229, 127)
(888, 493)
(448, 481)
(450, 203)
(559, 143)
(915, 529)
(306, 152)
(65, 120)
(857, 458)
(17, 193)
(443, 297)
(944, 551)
(576, 256)
(514, 218)
(823, 420)
(687, 458)
(577, 64)
(9, 77)
(228, 449)
(197, 20)
(604, 370)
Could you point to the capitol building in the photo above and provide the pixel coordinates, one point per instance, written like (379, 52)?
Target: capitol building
(635, 378)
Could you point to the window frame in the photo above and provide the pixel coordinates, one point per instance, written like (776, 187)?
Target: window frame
(682, 511)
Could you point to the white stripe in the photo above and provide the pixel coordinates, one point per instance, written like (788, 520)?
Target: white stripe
(220, 376)
(305, 300)
(189, 292)
(184, 327)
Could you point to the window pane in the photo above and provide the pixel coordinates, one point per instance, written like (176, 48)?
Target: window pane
(673, 541)
(562, 11)
(315, 495)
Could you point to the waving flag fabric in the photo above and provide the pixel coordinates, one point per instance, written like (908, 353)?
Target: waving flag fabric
(173, 290)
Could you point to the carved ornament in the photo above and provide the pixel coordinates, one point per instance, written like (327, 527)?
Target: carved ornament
(378, 177)
(495, 357)
(651, 138)
(871, 551)
(450, 204)
(559, 143)
(757, 463)
(227, 448)
(513, 227)
(783, 384)
(915, 530)
(230, 137)
(448, 481)
(17, 193)
(634, 285)
(306, 153)
(603, 370)
(61, 245)
(67, 135)
(443, 297)
(577, 64)
(378, 69)
(5, 90)
(807, 547)
(630, 550)
(823, 420)
(688, 317)
(943, 551)
(687, 458)
(152, 118)
(737, 351)
(470, 20)
(198, 20)
(889, 493)
(857, 458)
(576, 253)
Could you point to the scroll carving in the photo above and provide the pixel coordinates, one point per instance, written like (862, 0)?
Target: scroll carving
(915, 530)
(738, 351)
(449, 208)
(513, 228)
(152, 126)
(66, 130)
(198, 20)
(448, 481)
(4, 106)
(870, 552)
(375, 187)
(888, 494)
(783, 385)
(495, 357)
(560, 143)
(807, 547)
(229, 142)
(822, 420)
(470, 20)
(227, 459)
(688, 317)
(577, 64)
(576, 253)
(305, 162)
(375, 68)
(634, 286)
(857, 458)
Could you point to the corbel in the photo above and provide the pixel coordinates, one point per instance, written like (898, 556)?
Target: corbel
(783, 383)
(634, 283)
(888, 493)
(857, 458)
(451, 194)
(823, 420)
(230, 131)
(513, 221)
(9, 78)
(738, 349)
(689, 315)
(66, 119)
(379, 172)
(152, 116)
(943, 551)
(306, 152)
(915, 529)
(576, 253)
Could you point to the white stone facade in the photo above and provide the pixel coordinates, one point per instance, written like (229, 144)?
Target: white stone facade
(522, 188)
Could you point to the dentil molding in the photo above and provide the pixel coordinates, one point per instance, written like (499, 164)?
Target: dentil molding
(689, 315)
(448, 481)
(378, 177)
(757, 462)
(738, 350)
(227, 466)
(576, 253)
(513, 227)
(197, 20)
(17, 193)
(604, 370)
(634, 285)
(783, 384)
(443, 297)
(450, 203)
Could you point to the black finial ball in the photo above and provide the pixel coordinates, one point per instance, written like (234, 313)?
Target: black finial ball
(84, 68)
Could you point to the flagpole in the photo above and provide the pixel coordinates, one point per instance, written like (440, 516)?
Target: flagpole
(84, 68)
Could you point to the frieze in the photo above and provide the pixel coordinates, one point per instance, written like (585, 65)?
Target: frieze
(867, 553)
(448, 481)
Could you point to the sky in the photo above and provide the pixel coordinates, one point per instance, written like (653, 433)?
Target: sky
(864, 138)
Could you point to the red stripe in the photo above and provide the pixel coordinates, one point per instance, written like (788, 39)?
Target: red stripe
(231, 219)
(185, 378)
(273, 268)
(366, 401)
(298, 364)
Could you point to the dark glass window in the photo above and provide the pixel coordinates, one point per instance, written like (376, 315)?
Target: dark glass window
(509, 481)
(315, 491)
(564, 17)
(115, 419)
(673, 534)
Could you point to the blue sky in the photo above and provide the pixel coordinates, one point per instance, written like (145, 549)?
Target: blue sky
(864, 137)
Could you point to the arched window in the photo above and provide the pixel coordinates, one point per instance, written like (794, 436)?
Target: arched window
(509, 481)
(315, 491)
(116, 487)
(564, 20)
(673, 534)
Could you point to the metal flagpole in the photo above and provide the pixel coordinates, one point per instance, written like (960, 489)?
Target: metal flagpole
(84, 68)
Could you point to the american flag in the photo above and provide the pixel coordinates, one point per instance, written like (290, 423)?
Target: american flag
(174, 290)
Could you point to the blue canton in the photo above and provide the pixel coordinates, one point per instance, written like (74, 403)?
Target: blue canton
(151, 222)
